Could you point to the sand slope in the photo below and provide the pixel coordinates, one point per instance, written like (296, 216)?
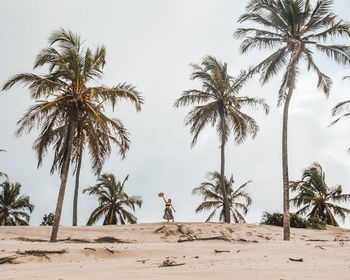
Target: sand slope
(137, 251)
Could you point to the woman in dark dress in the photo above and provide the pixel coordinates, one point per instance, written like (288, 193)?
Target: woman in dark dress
(168, 213)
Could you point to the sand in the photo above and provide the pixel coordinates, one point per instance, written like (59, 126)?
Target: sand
(238, 251)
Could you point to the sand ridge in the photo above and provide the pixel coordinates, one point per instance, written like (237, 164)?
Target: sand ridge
(201, 251)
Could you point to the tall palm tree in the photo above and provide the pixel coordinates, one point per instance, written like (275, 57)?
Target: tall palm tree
(112, 201)
(314, 194)
(219, 105)
(98, 154)
(66, 105)
(13, 207)
(292, 29)
(238, 200)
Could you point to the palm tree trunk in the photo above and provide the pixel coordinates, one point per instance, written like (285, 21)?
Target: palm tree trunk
(286, 214)
(76, 190)
(64, 177)
(222, 174)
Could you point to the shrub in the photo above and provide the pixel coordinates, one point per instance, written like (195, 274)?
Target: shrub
(276, 219)
(48, 219)
(297, 221)
(316, 223)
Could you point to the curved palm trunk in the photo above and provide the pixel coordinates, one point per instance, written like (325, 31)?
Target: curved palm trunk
(222, 175)
(76, 190)
(286, 214)
(64, 177)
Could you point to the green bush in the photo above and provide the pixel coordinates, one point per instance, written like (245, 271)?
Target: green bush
(316, 223)
(276, 219)
(48, 219)
(297, 221)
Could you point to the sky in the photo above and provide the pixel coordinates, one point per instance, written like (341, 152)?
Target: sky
(150, 44)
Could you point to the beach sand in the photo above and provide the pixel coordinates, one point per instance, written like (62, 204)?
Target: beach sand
(237, 251)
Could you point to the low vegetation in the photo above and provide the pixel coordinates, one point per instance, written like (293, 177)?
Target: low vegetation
(276, 219)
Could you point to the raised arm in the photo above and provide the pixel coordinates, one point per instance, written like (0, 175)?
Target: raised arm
(164, 199)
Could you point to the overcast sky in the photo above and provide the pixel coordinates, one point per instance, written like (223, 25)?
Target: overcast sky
(150, 44)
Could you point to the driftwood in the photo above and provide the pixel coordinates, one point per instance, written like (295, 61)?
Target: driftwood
(205, 239)
(170, 263)
(7, 260)
(110, 239)
(159, 229)
(37, 253)
(74, 240)
(109, 250)
(320, 247)
(221, 251)
(142, 261)
(30, 239)
(245, 240)
(40, 253)
(296, 260)
(315, 240)
(92, 249)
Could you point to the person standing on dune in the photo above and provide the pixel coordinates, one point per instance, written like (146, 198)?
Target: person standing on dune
(168, 213)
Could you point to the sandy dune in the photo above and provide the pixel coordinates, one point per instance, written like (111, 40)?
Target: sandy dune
(241, 251)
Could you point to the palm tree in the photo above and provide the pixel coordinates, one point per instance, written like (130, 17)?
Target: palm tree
(13, 207)
(68, 107)
(220, 106)
(112, 201)
(315, 195)
(341, 110)
(293, 29)
(1, 173)
(98, 153)
(239, 199)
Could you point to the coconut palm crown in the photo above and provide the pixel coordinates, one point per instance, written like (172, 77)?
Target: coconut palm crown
(316, 199)
(293, 30)
(13, 206)
(341, 110)
(1, 173)
(69, 110)
(113, 201)
(239, 199)
(218, 104)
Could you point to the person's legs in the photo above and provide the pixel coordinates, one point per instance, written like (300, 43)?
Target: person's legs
(167, 215)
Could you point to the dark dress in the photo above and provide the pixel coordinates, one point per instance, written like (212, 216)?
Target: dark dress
(170, 211)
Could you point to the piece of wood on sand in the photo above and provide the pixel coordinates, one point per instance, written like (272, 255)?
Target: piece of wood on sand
(110, 250)
(142, 261)
(88, 248)
(7, 260)
(167, 263)
(221, 251)
(205, 239)
(296, 260)
(110, 239)
(40, 253)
